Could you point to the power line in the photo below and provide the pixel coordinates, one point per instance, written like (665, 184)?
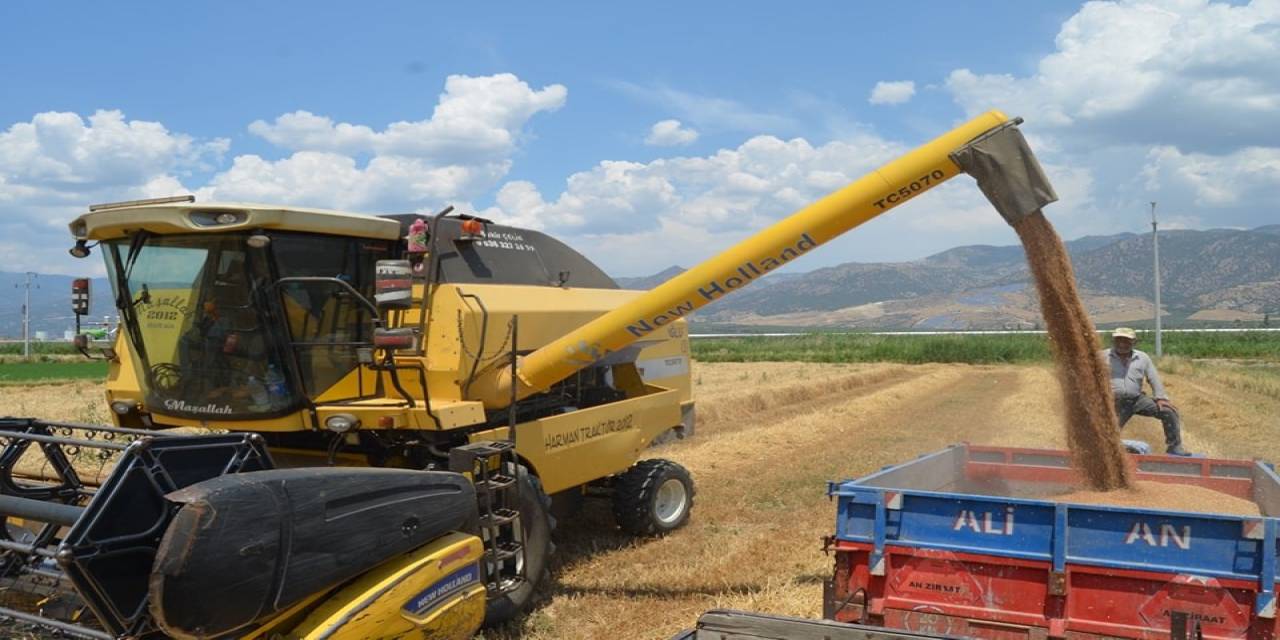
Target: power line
(1155, 252)
(26, 312)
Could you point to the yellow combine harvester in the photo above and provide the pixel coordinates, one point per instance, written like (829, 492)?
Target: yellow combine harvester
(332, 425)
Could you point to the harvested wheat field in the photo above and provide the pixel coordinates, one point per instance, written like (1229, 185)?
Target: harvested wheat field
(769, 437)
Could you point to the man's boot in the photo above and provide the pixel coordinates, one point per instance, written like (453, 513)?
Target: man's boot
(1172, 423)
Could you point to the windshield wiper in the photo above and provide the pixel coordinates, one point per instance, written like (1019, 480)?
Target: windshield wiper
(125, 268)
(124, 300)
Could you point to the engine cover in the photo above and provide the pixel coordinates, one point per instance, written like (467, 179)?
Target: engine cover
(243, 548)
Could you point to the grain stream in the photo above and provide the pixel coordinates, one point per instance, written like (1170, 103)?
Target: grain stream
(1092, 434)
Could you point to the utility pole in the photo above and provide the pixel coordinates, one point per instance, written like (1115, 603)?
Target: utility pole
(26, 314)
(1155, 252)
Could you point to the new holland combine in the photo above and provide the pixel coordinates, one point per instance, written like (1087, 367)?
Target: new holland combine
(331, 425)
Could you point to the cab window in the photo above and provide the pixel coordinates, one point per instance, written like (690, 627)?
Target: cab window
(326, 324)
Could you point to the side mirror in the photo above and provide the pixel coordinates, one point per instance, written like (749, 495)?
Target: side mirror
(393, 284)
(84, 341)
(80, 296)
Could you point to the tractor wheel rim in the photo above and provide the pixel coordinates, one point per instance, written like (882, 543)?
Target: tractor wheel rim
(671, 502)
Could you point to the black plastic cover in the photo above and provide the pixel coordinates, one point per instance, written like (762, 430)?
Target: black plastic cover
(245, 547)
(109, 551)
(508, 255)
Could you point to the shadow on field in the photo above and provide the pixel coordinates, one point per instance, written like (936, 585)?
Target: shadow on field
(590, 531)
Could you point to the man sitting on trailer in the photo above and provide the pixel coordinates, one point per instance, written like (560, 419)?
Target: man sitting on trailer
(1129, 367)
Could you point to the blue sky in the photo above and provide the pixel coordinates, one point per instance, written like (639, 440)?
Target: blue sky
(554, 112)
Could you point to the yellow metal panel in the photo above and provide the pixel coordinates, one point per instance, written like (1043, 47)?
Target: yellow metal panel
(350, 385)
(176, 218)
(435, 592)
(286, 620)
(452, 415)
(292, 422)
(895, 183)
(575, 448)
(668, 363)
(122, 376)
(457, 347)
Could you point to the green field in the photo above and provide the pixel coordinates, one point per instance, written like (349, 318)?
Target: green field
(38, 348)
(16, 372)
(810, 347)
(974, 349)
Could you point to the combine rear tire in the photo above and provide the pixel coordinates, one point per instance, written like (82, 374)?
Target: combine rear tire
(653, 498)
(536, 525)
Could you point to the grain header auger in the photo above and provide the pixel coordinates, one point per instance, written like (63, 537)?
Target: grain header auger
(331, 425)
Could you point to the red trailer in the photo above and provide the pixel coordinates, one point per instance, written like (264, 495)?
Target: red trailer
(955, 544)
(950, 545)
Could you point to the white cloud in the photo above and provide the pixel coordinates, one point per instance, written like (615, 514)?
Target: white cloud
(1176, 102)
(335, 181)
(1250, 175)
(670, 133)
(897, 92)
(56, 164)
(1191, 73)
(61, 151)
(460, 152)
(635, 216)
(303, 130)
(477, 119)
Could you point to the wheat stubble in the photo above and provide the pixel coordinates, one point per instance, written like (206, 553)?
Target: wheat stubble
(1092, 434)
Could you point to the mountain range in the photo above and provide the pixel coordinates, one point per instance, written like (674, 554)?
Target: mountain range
(1217, 275)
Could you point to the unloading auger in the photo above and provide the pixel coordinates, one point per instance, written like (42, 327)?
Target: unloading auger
(990, 147)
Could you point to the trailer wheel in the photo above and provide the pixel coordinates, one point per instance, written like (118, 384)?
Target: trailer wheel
(653, 498)
(536, 525)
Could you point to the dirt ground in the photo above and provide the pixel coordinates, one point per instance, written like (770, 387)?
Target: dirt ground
(770, 435)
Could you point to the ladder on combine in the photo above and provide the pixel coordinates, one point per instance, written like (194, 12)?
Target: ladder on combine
(495, 473)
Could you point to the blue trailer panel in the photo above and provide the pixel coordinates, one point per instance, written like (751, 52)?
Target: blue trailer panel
(993, 503)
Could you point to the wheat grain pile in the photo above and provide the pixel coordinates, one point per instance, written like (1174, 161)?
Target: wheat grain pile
(1144, 494)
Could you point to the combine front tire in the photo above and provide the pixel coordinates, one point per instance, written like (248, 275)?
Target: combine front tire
(653, 498)
(536, 525)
